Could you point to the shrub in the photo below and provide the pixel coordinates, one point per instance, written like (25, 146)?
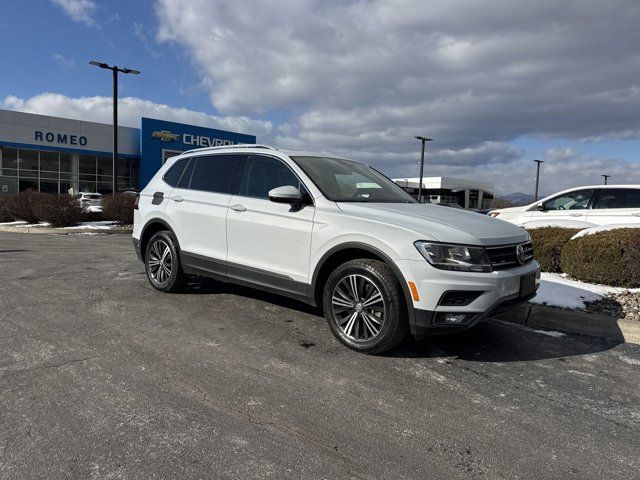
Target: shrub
(23, 205)
(547, 245)
(119, 208)
(610, 257)
(5, 215)
(92, 216)
(59, 210)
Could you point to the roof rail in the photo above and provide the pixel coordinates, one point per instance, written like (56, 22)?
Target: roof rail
(224, 147)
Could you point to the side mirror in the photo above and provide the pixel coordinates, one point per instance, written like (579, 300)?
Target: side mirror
(540, 207)
(287, 194)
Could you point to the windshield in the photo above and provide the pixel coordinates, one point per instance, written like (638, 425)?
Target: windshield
(345, 181)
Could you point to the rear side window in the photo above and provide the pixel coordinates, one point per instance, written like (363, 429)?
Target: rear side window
(172, 177)
(619, 198)
(215, 173)
(262, 174)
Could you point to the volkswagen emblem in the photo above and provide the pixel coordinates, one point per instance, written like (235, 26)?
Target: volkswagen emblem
(520, 254)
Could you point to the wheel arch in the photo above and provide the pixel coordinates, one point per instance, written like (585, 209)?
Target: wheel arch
(152, 226)
(350, 251)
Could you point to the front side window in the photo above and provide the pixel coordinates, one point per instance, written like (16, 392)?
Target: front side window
(263, 174)
(619, 198)
(577, 200)
(346, 181)
(215, 173)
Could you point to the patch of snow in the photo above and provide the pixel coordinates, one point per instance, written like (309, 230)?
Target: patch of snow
(32, 225)
(93, 208)
(557, 290)
(604, 228)
(101, 225)
(13, 224)
(565, 223)
(551, 333)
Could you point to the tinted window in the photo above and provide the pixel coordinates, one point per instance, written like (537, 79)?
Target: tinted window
(186, 175)
(215, 173)
(619, 198)
(262, 174)
(577, 200)
(172, 177)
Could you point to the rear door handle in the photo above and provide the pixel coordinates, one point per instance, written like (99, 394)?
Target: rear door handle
(176, 198)
(636, 214)
(238, 207)
(576, 214)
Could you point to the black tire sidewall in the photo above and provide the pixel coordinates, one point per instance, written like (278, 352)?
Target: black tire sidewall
(370, 270)
(176, 271)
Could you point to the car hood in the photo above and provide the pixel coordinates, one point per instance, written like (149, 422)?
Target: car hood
(443, 224)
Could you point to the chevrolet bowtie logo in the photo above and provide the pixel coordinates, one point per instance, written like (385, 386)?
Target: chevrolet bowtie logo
(165, 135)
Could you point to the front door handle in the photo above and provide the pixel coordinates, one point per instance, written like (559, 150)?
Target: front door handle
(576, 214)
(238, 207)
(636, 214)
(176, 198)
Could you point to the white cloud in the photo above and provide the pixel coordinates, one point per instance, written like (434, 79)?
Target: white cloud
(78, 10)
(63, 61)
(362, 78)
(130, 109)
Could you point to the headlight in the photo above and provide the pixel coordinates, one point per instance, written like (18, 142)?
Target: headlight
(460, 258)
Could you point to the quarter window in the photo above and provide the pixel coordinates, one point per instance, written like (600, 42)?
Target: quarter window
(619, 198)
(577, 200)
(262, 174)
(172, 177)
(215, 173)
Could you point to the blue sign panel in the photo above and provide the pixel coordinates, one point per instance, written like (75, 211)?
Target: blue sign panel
(160, 140)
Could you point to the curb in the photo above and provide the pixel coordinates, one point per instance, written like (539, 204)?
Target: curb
(63, 231)
(572, 321)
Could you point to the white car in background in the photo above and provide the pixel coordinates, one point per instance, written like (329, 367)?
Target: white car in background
(91, 202)
(580, 207)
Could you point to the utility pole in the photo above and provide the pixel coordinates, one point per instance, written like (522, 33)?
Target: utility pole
(606, 177)
(424, 140)
(538, 162)
(115, 69)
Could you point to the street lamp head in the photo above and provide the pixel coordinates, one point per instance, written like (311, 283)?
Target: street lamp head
(424, 139)
(128, 70)
(539, 161)
(99, 64)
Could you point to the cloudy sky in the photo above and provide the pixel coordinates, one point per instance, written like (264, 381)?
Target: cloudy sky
(495, 83)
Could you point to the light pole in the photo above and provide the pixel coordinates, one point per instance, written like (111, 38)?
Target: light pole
(538, 162)
(424, 140)
(606, 177)
(115, 69)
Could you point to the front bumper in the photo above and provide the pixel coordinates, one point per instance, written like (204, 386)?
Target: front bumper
(496, 292)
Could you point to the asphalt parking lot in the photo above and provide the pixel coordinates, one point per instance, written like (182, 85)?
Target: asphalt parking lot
(102, 377)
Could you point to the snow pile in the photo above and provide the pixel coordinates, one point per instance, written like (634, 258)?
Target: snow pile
(102, 225)
(557, 290)
(604, 228)
(22, 224)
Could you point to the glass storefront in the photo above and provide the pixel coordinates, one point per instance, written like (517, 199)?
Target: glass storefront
(60, 172)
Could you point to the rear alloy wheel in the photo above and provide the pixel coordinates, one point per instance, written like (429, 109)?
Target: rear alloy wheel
(363, 304)
(162, 263)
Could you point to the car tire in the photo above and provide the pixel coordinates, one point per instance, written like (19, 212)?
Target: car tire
(364, 306)
(162, 263)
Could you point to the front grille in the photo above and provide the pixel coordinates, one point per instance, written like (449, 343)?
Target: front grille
(506, 256)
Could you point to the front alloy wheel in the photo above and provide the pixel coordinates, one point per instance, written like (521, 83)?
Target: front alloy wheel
(365, 307)
(358, 307)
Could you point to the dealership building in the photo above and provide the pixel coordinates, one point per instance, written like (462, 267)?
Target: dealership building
(60, 155)
(466, 193)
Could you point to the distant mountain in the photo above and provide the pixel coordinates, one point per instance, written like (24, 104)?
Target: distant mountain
(519, 199)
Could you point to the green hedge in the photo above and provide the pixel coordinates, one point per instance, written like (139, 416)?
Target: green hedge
(610, 257)
(547, 245)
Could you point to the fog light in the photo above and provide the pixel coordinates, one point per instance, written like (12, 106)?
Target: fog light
(453, 318)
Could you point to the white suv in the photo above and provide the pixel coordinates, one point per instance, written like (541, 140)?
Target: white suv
(579, 207)
(333, 233)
